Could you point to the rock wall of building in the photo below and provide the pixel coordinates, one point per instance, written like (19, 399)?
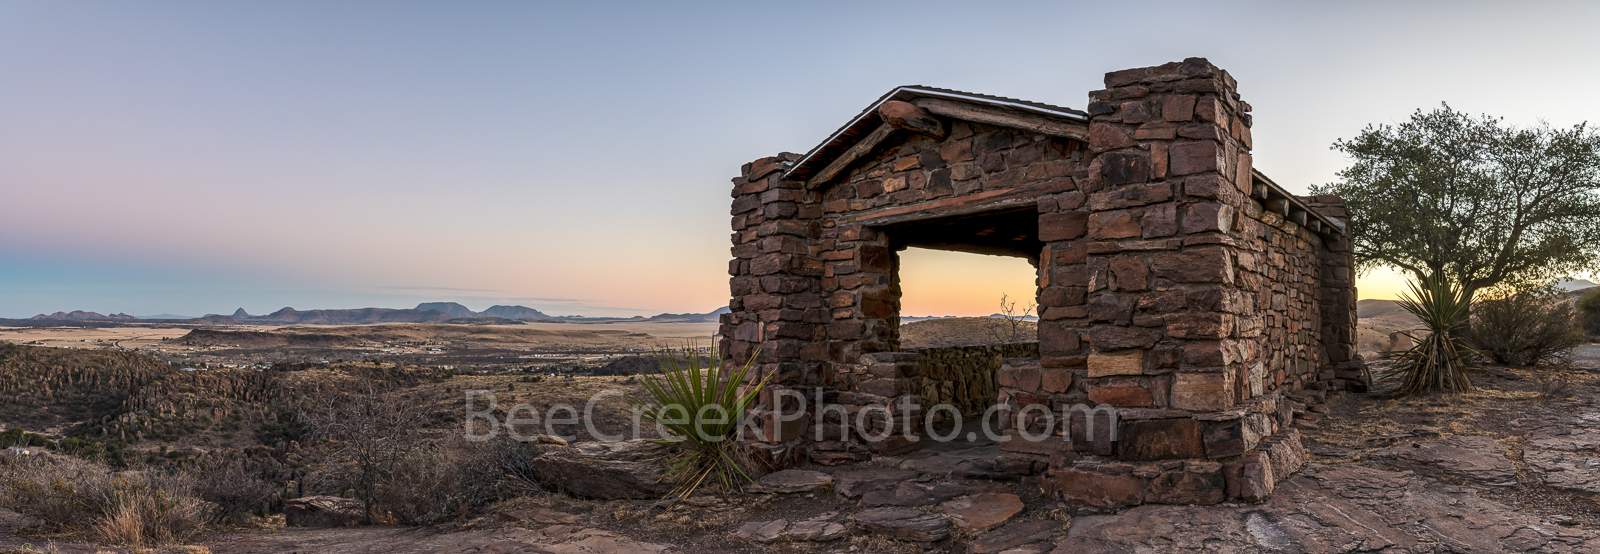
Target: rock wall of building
(1186, 319)
(1199, 317)
(965, 376)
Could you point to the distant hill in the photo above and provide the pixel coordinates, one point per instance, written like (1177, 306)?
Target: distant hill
(426, 312)
(513, 312)
(451, 309)
(962, 331)
(80, 315)
(1576, 284)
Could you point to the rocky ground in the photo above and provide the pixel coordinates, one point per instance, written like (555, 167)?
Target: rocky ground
(1511, 467)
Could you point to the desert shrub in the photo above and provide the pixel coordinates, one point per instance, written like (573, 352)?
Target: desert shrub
(1439, 360)
(1526, 328)
(1589, 312)
(17, 436)
(443, 482)
(701, 409)
(150, 511)
(236, 491)
(137, 508)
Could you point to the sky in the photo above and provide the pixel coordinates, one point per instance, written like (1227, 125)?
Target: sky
(194, 157)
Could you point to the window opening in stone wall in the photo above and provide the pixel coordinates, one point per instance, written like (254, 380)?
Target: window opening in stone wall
(960, 356)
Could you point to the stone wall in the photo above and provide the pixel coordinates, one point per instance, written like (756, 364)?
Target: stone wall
(1192, 306)
(964, 376)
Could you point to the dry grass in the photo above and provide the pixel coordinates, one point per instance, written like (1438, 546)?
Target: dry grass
(134, 508)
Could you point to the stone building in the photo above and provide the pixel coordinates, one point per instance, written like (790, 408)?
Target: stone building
(1190, 308)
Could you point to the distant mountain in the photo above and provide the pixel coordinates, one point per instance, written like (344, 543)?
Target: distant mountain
(241, 314)
(1575, 284)
(686, 318)
(511, 312)
(451, 309)
(166, 316)
(80, 315)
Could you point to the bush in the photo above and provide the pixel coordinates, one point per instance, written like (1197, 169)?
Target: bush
(1526, 328)
(136, 508)
(237, 492)
(443, 483)
(1589, 312)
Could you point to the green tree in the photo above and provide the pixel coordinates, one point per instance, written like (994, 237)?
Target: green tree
(1481, 203)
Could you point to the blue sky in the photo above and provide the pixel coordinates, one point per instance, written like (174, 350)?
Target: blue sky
(195, 157)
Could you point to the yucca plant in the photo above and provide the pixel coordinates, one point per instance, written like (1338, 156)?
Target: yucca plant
(700, 408)
(1440, 359)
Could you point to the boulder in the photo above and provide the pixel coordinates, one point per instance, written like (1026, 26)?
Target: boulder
(906, 525)
(621, 470)
(323, 511)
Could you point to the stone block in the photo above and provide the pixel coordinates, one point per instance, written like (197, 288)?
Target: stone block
(1185, 487)
(1188, 158)
(1232, 438)
(1135, 112)
(1208, 185)
(1027, 377)
(1202, 392)
(1117, 224)
(1200, 326)
(1063, 226)
(1087, 488)
(1116, 363)
(1121, 393)
(1193, 265)
(1207, 354)
(1162, 301)
(1178, 107)
(1249, 479)
(1159, 221)
(1156, 131)
(1129, 196)
(1124, 168)
(1159, 439)
(1055, 380)
(1103, 137)
(1057, 338)
(887, 388)
(1111, 307)
(1130, 272)
(1203, 217)
(1106, 338)
(1057, 295)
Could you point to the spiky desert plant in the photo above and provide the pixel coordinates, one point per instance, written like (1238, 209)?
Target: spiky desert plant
(700, 408)
(1439, 361)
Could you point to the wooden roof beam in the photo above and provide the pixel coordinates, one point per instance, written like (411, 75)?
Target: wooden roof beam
(1004, 118)
(856, 152)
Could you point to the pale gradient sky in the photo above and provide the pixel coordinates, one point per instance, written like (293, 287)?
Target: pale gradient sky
(194, 157)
